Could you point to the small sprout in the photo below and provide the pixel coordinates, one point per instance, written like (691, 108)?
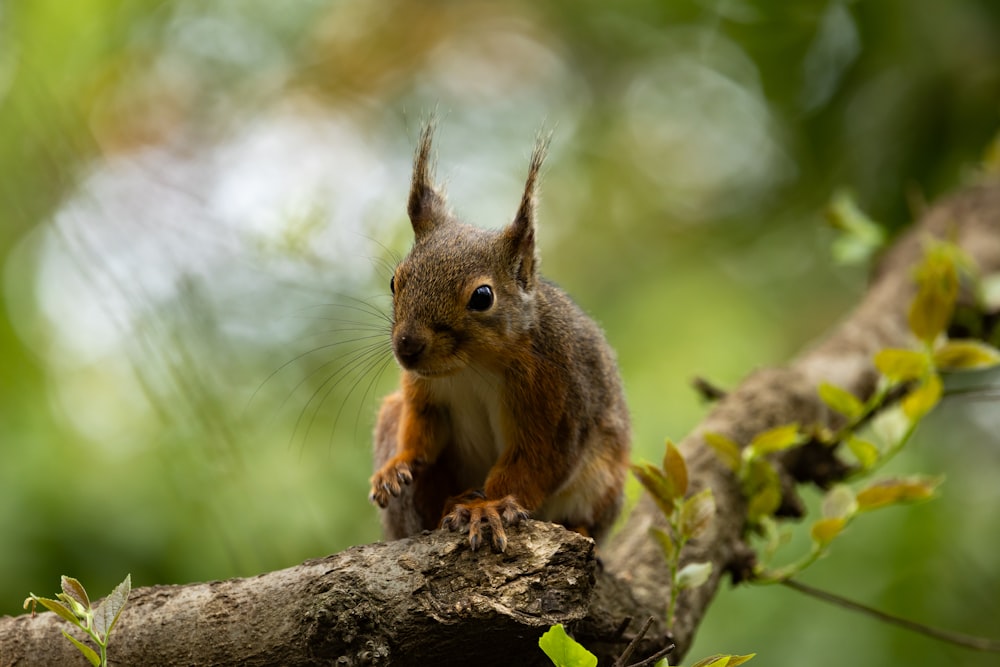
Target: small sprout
(74, 605)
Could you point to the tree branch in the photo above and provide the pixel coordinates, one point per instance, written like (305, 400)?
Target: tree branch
(429, 600)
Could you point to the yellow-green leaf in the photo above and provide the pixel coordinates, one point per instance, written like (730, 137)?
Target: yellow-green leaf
(922, 399)
(825, 530)
(676, 469)
(58, 607)
(866, 452)
(697, 513)
(776, 439)
(89, 653)
(563, 650)
(841, 400)
(763, 503)
(896, 490)
(665, 541)
(966, 355)
(727, 450)
(656, 483)
(937, 288)
(901, 365)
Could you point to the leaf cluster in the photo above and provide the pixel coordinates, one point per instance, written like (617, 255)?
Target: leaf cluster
(875, 429)
(74, 605)
(687, 518)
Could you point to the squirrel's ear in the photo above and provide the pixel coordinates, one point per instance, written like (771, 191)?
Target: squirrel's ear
(426, 205)
(521, 233)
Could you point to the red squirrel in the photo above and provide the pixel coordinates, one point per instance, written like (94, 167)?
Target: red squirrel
(510, 403)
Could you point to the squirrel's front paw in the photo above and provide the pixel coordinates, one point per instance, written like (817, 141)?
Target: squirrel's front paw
(472, 510)
(388, 482)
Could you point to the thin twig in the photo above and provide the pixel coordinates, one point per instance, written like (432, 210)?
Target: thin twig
(956, 638)
(653, 659)
(627, 653)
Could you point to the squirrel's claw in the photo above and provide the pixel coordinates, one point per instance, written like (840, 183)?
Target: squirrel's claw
(389, 481)
(469, 513)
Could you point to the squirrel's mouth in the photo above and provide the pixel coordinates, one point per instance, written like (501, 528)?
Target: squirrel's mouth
(431, 370)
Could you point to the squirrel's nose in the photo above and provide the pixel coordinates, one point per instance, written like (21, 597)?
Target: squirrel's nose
(409, 348)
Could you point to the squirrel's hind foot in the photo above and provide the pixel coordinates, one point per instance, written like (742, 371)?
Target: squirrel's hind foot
(470, 511)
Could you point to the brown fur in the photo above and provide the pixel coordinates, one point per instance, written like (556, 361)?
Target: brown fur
(504, 412)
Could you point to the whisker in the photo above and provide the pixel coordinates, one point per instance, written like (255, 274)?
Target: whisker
(331, 382)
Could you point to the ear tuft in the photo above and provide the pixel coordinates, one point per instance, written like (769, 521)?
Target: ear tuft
(426, 205)
(521, 232)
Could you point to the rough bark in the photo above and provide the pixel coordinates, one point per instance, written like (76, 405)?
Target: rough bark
(429, 600)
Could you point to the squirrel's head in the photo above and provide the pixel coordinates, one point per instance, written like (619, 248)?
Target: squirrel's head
(463, 294)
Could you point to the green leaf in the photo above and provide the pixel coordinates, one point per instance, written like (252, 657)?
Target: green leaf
(921, 400)
(763, 490)
(839, 503)
(658, 485)
(563, 650)
(824, 530)
(76, 591)
(89, 653)
(865, 451)
(694, 575)
(775, 440)
(841, 400)
(860, 235)
(107, 612)
(763, 503)
(58, 607)
(665, 541)
(727, 450)
(937, 289)
(896, 490)
(901, 365)
(957, 355)
(676, 469)
(697, 514)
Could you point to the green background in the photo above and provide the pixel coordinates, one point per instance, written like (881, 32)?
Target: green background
(199, 203)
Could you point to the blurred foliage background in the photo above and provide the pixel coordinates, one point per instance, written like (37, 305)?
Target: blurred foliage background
(200, 203)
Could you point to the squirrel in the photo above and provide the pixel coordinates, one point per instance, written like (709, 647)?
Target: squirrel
(510, 403)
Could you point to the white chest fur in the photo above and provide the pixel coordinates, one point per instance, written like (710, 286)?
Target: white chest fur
(472, 400)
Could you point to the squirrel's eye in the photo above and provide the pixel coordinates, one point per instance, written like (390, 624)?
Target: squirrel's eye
(392, 284)
(481, 299)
